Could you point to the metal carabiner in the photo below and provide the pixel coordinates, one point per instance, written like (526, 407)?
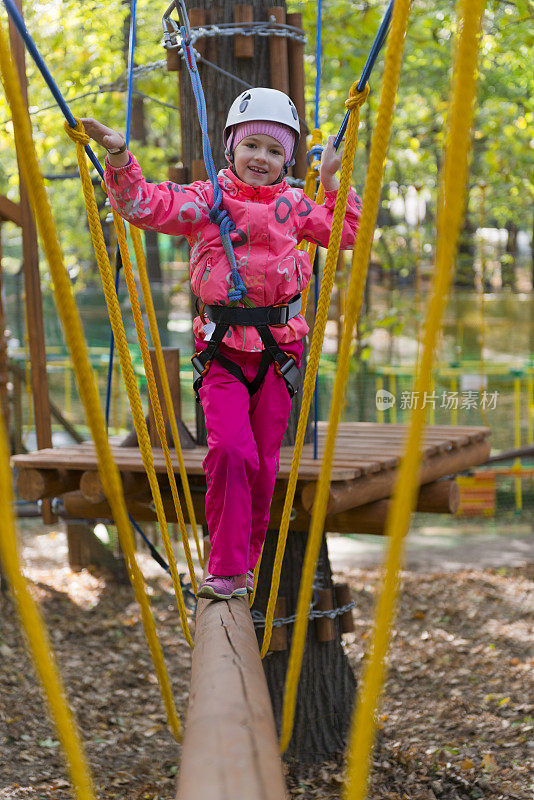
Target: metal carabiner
(169, 23)
(184, 20)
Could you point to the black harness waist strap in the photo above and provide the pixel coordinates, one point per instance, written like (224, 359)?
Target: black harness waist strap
(261, 318)
(252, 317)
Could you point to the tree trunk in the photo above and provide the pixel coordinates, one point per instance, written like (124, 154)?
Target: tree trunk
(465, 264)
(327, 685)
(508, 260)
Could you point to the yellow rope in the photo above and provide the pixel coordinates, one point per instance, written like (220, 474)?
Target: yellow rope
(33, 623)
(160, 427)
(450, 214)
(73, 332)
(310, 183)
(354, 299)
(81, 139)
(156, 341)
(354, 102)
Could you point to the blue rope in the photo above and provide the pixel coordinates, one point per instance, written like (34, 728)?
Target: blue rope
(217, 215)
(380, 38)
(187, 589)
(315, 152)
(153, 552)
(131, 51)
(112, 347)
(16, 16)
(318, 49)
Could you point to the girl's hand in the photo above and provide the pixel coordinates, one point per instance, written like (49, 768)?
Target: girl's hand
(330, 163)
(104, 136)
(108, 138)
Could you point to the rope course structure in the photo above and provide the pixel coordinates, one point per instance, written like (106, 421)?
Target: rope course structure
(453, 182)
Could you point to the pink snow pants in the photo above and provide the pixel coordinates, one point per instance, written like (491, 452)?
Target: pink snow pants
(244, 438)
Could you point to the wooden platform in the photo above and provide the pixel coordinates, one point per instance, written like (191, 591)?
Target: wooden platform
(364, 470)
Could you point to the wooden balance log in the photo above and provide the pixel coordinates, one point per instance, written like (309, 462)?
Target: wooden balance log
(230, 747)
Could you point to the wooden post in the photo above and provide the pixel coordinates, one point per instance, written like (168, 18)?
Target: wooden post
(279, 634)
(86, 549)
(324, 626)
(243, 45)
(198, 170)
(17, 413)
(343, 597)
(177, 175)
(296, 92)
(278, 53)
(32, 283)
(171, 356)
(197, 18)
(230, 748)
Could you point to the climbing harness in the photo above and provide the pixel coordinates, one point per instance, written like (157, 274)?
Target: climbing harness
(285, 364)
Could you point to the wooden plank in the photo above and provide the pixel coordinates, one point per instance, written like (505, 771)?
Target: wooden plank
(349, 461)
(243, 45)
(296, 91)
(171, 359)
(349, 494)
(230, 747)
(279, 69)
(9, 211)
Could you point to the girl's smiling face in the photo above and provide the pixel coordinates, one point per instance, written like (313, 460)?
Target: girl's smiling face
(259, 159)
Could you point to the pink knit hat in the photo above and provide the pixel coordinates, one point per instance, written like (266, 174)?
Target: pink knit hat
(281, 133)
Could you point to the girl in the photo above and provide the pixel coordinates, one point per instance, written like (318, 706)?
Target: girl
(247, 357)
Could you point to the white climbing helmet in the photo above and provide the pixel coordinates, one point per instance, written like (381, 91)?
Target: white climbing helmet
(267, 105)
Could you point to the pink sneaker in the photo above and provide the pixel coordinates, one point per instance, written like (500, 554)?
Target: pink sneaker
(250, 581)
(219, 587)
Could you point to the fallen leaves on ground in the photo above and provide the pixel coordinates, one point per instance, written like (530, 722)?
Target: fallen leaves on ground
(455, 723)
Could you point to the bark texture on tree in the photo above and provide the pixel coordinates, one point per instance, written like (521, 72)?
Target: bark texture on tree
(327, 685)
(220, 90)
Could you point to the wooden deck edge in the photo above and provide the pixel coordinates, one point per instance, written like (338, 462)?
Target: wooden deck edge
(345, 495)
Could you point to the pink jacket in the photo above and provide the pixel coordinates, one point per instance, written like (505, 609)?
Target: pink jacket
(270, 222)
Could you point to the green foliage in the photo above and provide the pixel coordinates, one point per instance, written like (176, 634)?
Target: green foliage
(85, 48)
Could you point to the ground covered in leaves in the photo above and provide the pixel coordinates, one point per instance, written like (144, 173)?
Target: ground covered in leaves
(456, 722)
